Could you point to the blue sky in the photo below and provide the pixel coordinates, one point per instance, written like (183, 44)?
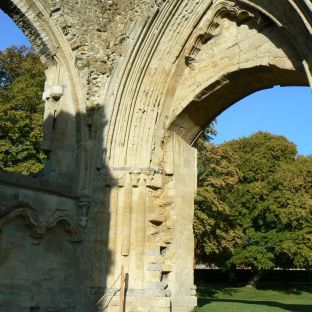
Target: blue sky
(280, 110)
(9, 33)
(286, 111)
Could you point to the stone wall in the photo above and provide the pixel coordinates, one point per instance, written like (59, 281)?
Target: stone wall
(36, 274)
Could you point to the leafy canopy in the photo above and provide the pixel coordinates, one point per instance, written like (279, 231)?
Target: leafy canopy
(262, 214)
(21, 110)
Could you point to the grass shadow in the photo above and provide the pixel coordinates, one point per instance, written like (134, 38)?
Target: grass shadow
(286, 307)
(289, 289)
(213, 291)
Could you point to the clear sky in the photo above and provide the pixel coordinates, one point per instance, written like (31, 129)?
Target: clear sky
(9, 33)
(286, 111)
(280, 110)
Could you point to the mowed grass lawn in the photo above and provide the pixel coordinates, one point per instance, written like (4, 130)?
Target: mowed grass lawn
(212, 298)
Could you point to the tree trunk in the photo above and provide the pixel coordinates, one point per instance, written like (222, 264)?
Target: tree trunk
(255, 278)
(232, 274)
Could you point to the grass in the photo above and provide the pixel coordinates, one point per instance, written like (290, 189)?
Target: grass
(218, 298)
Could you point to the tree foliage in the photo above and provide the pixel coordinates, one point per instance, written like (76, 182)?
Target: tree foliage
(266, 211)
(215, 231)
(21, 110)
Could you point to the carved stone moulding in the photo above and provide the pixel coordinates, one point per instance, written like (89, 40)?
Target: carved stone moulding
(134, 177)
(43, 216)
(210, 23)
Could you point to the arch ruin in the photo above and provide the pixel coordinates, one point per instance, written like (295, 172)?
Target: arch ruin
(130, 87)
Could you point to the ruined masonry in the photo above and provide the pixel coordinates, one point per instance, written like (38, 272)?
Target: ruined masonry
(130, 86)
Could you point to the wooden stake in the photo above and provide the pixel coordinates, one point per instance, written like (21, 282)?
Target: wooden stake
(122, 289)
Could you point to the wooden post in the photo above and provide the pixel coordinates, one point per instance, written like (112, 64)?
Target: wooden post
(122, 289)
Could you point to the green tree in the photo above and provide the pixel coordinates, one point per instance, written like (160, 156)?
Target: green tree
(215, 231)
(270, 203)
(291, 202)
(21, 110)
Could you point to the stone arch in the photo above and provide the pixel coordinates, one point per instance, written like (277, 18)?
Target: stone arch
(62, 103)
(122, 141)
(239, 52)
(234, 49)
(159, 58)
(228, 69)
(191, 61)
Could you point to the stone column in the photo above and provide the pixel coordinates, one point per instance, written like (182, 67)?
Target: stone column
(182, 189)
(150, 233)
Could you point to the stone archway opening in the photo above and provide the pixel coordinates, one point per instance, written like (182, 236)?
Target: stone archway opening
(22, 106)
(40, 213)
(197, 118)
(236, 86)
(62, 108)
(225, 89)
(29, 43)
(279, 114)
(230, 54)
(237, 52)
